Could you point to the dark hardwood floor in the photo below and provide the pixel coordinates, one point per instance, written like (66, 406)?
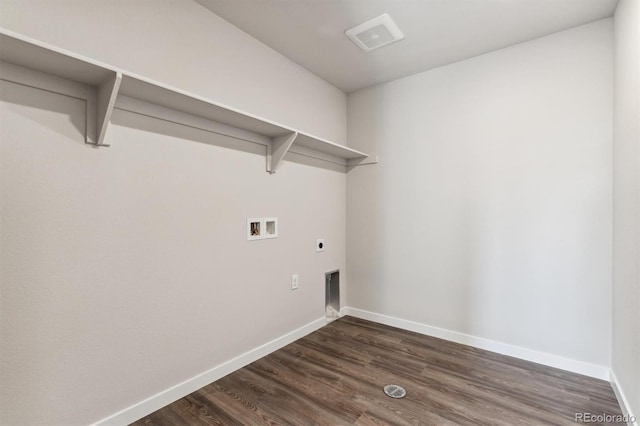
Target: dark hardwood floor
(335, 376)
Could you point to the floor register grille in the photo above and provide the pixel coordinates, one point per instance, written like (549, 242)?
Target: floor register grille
(395, 391)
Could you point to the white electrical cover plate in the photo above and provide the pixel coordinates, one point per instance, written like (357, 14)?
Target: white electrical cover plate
(262, 228)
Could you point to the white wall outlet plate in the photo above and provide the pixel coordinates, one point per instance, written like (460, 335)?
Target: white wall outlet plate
(295, 282)
(260, 228)
(270, 227)
(320, 245)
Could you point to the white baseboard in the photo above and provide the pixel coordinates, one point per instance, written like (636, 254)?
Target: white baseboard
(575, 366)
(155, 402)
(622, 399)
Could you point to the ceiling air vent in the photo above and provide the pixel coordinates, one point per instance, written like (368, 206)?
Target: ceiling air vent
(375, 33)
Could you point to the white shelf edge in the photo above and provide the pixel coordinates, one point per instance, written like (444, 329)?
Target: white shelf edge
(106, 100)
(137, 106)
(60, 51)
(350, 151)
(371, 159)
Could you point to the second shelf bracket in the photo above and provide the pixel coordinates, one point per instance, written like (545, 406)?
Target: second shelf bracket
(277, 149)
(102, 108)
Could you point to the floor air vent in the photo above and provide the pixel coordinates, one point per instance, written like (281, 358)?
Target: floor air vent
(395, 391)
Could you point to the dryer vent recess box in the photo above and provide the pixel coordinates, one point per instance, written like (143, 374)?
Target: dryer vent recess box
(262, 228)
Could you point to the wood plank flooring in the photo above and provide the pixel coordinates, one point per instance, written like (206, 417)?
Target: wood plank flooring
(335, 376)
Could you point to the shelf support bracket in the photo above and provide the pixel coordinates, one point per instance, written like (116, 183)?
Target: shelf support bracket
(277, 149)
(102, 107)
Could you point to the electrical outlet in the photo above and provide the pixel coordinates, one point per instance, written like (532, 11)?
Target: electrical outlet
(295, 281)
(320, 244)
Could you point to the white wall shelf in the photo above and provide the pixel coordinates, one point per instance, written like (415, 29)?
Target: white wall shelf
(36, 64)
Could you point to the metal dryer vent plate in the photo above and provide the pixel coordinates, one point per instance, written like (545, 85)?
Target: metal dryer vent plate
(395, 391)
(375, 33)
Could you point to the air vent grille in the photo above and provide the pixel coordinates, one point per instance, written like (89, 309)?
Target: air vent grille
(375, 33)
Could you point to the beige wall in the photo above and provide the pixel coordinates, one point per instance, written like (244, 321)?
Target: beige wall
(626, 203)
(125, 270)
(490, 211)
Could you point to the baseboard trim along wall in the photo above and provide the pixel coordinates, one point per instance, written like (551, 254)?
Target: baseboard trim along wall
(155, 402)
(622, 399)
(575, 366)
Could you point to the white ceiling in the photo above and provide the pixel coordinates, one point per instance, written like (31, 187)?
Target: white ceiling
(438, 32)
